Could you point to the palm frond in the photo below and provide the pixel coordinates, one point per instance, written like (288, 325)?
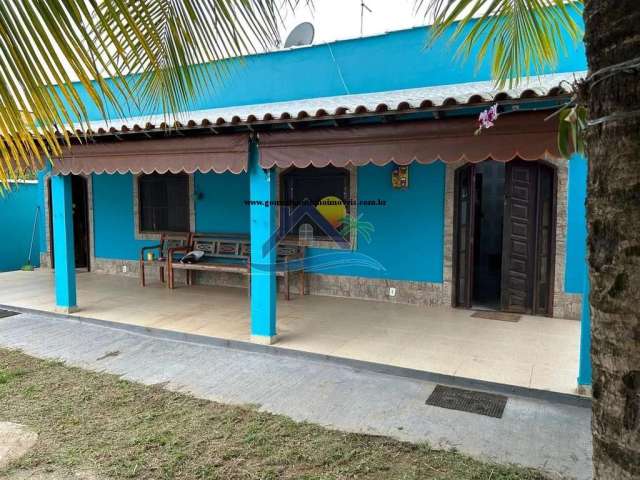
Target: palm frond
(176, 46)
(523, 37)
(61, 59)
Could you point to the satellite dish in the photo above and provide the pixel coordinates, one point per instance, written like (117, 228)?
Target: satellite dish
(301, 35)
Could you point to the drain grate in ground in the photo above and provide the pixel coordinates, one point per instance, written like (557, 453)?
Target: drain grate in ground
(7, 313)
(482, 403)
(502, 316)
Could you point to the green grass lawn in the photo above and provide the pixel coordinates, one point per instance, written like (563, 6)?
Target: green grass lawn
(95, 422)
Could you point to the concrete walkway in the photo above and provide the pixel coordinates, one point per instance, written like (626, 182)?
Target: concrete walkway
(533, 432)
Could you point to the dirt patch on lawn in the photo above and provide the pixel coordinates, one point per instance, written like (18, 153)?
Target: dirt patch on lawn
(15, 441)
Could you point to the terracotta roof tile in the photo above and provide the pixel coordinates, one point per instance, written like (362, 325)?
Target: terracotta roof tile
(445, 96)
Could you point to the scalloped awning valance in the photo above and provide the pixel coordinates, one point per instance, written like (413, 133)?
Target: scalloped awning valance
(515, 135)
(220, 153)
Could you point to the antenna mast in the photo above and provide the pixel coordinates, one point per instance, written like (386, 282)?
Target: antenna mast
(363, 7)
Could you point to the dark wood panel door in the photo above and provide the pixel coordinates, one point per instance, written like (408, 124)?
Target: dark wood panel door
(80, 205)
(519, 243)
(464, 216)
(545, 241)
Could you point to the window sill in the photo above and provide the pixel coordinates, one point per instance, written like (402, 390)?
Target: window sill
(148, 236)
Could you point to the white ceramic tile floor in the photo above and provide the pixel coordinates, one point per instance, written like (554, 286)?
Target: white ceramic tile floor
(535, 352)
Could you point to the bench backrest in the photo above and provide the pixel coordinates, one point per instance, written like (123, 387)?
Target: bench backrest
(221, 246)
(290, 251)
(235, 246)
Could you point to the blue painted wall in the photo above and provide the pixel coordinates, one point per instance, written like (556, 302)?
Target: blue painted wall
(408, 236)
(576, 225)
(407, 240)
(220, 206)
(17, 212)
(395, 60)
(113, 220)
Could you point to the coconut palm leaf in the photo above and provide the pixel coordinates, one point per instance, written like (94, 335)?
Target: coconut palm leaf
(123, 54)
(523, 36)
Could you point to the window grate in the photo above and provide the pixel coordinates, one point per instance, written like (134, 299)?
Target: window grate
(304, 186)
(164, 202)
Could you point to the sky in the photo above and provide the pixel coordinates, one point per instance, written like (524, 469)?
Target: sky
(339, 19)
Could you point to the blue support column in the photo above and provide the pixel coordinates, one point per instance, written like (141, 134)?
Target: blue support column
(263, 256)
(63, 248)
(584, 375)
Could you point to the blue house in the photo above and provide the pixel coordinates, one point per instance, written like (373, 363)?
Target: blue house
(377, 136)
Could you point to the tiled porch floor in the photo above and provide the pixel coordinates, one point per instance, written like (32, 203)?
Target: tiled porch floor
(536, 352)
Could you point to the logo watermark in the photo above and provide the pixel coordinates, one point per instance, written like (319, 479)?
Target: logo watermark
(325, 226)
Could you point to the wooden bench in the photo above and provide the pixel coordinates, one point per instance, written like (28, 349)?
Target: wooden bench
(168, 240)
(222, 253)
(232, 254)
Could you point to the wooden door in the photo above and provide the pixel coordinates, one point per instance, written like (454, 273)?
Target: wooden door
(519, 236)
(464, 216)
(545, 242)
(80, 207)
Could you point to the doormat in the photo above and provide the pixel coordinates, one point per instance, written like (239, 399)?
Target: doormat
(470, 401)
(502, 316)
(7, 313)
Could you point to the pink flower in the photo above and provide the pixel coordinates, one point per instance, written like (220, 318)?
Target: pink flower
(487, 118)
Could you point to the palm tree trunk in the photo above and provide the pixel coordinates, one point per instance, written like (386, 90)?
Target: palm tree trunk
(612, 36)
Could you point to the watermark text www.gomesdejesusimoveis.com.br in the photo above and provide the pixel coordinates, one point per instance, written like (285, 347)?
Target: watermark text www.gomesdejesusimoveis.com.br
(325, 202)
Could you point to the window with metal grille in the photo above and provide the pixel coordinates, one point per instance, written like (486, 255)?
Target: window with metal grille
(163, 202)
(311, 186)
